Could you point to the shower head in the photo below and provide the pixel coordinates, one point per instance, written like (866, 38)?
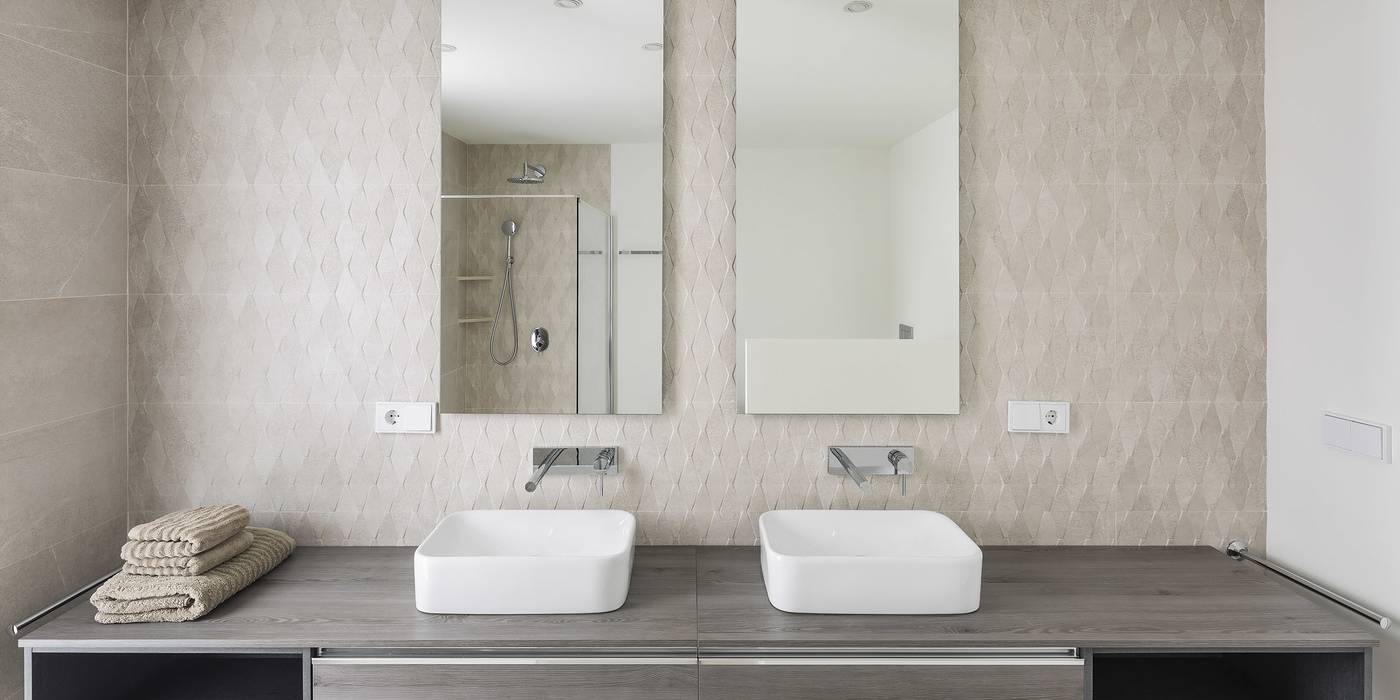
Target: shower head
(509, 228)
(530, 174)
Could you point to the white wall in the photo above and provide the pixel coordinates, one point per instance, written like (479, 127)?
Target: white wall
(636, 195)
(593, 389)
(636, 221)
(815, 243)
(1332, 105)
(924, 230)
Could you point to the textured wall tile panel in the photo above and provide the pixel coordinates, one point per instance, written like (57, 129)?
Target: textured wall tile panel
(275, 37)
(284, 239)
(1112, 254)
(321, 130)
(283, 348)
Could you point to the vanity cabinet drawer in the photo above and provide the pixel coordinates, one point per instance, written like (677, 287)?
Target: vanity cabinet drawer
(891, 681)
(390, 679)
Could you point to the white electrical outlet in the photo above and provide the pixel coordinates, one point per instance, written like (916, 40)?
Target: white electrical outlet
(1037, 416)
(405, 417)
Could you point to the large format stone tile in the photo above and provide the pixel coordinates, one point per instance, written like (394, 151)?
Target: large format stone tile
(90, 30)
(61, 115)
(92, 553)
(62, 357)
(62, 236)
(63, 481)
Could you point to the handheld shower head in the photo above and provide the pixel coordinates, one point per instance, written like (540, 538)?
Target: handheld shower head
(508, 229)
(530, 174)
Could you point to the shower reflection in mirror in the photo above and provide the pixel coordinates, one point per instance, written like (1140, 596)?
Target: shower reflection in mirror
(551, 207)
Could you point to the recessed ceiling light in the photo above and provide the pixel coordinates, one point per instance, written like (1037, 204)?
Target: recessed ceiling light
(569, 4)
(653, 46)
(447, 48)
(858, 6)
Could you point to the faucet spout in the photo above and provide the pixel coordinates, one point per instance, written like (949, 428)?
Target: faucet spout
(850, 468)
(538, 474)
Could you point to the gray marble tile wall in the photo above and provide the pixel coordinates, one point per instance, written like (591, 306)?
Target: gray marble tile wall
(284, 276)
(63, 328)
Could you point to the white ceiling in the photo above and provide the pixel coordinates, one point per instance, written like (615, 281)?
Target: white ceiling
(526, 71)
(811, 74)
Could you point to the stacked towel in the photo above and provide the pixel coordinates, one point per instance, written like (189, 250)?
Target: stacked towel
(143, 557)
(186, 543)
(180, 566)
(135, 598)
(193, 530)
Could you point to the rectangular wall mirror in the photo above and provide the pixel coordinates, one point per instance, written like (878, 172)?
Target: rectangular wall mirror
(551, 206)
(847, 206)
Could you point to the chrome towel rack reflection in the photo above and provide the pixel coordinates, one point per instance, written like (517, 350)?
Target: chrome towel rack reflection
(1239, 550)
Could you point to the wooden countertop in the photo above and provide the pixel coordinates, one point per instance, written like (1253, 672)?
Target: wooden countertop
(713, 597)
(1105, 597)
(363, 597)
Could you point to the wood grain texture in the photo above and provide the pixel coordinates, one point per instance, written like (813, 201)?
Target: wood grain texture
(891, 682)
(1121, 597)
(1105, 597)
(363, 597)
(430, 682)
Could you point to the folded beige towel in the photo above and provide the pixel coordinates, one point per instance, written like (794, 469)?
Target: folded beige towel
(130, 598)
(183, 566)
(190, 532)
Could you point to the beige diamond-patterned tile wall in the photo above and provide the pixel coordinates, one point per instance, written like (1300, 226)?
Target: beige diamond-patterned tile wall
(1112, 252)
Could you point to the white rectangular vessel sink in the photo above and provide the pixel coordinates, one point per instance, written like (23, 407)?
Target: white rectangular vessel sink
(525, 562)
(869, 562)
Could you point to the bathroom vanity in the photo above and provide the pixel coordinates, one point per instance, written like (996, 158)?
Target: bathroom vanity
(1055, 623)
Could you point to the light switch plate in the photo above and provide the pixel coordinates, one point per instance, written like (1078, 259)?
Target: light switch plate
(1360, 437)
(1037, 416)
(405, 417)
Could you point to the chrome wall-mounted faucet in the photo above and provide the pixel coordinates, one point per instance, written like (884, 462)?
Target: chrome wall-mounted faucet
(858, 463)
(598, 461)
(542, 467)
(848, 467)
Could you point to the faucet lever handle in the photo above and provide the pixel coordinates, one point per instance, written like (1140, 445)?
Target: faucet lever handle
(895, 457)
(606, 457)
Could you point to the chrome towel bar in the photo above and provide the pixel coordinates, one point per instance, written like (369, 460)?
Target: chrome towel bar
(18, 627)
(1240, 550)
